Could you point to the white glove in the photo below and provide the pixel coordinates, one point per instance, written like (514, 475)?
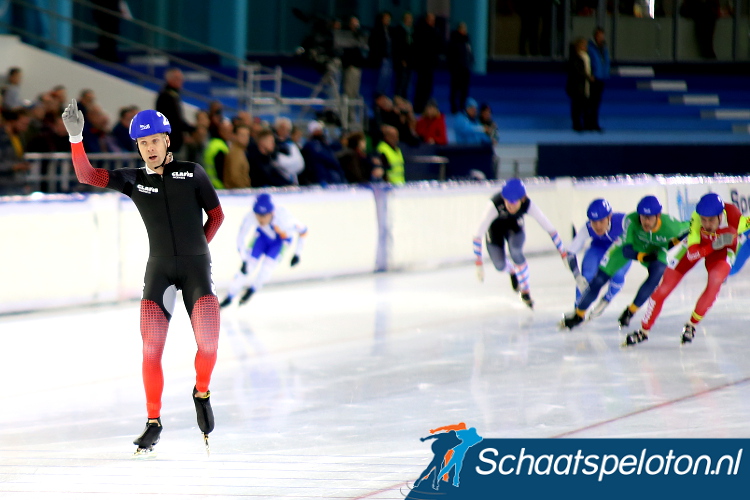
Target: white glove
(722, 240)
(72, 118)
(480, 272)
(581, 283)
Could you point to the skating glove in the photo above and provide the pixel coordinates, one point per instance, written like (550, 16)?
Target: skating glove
(722, 240)
(72, 118)
(581, 283)
(295, 261)
(480, 271)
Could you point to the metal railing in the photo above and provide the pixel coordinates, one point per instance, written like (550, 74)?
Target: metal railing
(54, 173)
(247, 82)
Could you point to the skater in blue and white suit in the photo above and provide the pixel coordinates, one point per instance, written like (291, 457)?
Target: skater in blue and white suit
(270, 228)
(602, 229)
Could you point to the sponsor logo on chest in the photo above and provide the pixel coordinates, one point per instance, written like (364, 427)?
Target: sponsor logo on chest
(147, 189)
(181, 175)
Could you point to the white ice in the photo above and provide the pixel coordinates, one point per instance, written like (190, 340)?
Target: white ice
(322, 389)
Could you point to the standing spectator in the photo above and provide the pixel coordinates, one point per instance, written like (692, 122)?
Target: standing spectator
(216, 152)
(403, 54)
(431, 125)
(261, 153)
(289, 157)
(428, 45)
(108, 23)
(460, 62)
(321, 165)
(381, 53)
(354, 52)
(12, 91)
(467, 127)
(120, 132)
(530, 12)
(169, 104)
(407, 121)
(236, 165)
(578, 86)
(357, 165)
(599, 59)
(59, 96)
(490, 127)
(96, 138)
(86, 100)
(391, 156)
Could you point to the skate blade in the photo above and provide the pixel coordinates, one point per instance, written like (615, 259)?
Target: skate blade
(208, 447)
(144, 454)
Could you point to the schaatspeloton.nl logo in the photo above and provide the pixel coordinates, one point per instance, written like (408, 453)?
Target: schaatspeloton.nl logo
(465, 465)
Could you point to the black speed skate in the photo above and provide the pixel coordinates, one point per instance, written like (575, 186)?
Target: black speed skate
(688, 333)
(571, 321)
(526, 298)
(625, 317)
(514, 281)
(224, 303)
(205, 416)
(148, 439)
(636, 337)
(246, 296)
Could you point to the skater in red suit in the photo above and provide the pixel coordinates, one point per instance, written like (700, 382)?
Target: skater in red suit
(171, 197)
(713, 236)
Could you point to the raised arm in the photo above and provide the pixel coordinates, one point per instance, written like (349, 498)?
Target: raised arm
(73, 120)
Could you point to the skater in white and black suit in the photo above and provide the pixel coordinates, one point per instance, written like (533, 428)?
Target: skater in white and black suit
(503, 222)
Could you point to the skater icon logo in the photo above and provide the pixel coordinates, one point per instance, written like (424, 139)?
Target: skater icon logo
(443, 474)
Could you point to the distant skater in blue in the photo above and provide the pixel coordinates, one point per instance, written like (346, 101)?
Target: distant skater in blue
(469, 438)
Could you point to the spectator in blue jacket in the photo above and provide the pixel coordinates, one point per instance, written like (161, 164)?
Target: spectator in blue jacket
(599, 57)
(321, 165)
(468, 128)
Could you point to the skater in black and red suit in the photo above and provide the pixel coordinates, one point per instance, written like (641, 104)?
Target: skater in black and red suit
(171, 197)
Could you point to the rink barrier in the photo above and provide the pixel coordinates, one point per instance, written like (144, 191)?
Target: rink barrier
(81, 249)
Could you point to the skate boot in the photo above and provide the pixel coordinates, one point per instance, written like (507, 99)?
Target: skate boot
(625, 317)
(636, 337)
(598, 309)
(571, 321)
(526, 297)
(688, 333)
(148, 439)
(224, 303)
(205, 415)
(514, 281)
(246, 296)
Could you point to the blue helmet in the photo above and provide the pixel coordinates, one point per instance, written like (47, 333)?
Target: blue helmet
(599, 209)
(513, 190)
(148, 122)
(263, 204)
(649, 205)
(710, 205)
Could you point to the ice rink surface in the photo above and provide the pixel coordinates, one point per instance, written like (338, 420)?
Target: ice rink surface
(322, 389)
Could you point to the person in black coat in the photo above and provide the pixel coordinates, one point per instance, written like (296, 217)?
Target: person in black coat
(578, 84)
(169, 103)
(381, 53)
(428, 45)
(460, 62)
(403, 54)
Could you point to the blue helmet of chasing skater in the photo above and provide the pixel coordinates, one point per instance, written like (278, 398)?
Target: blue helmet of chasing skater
(263, 204)
(599, 209)
(649, 205)
(710, 205)
(513, 190)
(148, 122)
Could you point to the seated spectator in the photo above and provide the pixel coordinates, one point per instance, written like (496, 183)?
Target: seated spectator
(407, 121)
(52, 138)
(236, 164)
(12, 164)
(289, 157)
(216, 152)
(356, 164)
(86, 100)
(96, 138)
(321, 165)
(383, 114)
(490, 127)
(196, 141)
(12, 90)
(391, 156)
(467, 127)
(121, 131)
(261, 153)
(431, 125)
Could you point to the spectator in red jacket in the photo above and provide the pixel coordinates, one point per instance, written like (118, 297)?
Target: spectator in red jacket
(431, 125)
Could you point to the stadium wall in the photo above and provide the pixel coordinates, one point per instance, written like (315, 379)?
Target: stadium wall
(64, 250)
